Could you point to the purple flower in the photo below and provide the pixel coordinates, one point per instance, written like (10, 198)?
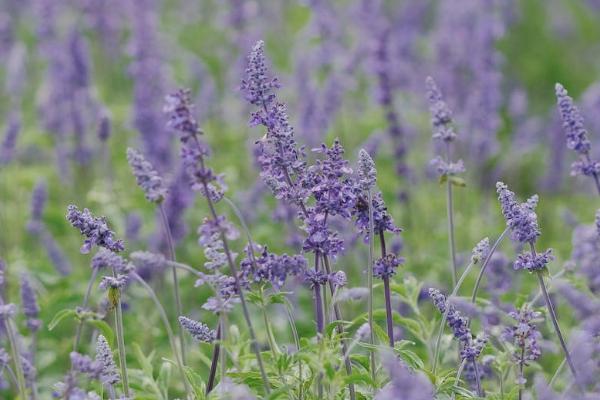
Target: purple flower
(112, 282)
(480, 251)
(7, 147)
(39, 196)
(31, 309)
(444, 168)
(367, 174)
(258, 87)
(338, 279)
(146, 176)
(104, 126)
(524, 335)
(107, 259)
(95, 230)
(575, 132)
(455, 320)
(198, 330)
(382, 220)
(520, 217)
(84, 365)
(472, 351)
(386, 267)
(270, 267)
(404, 383)
(315, 278)
(59, 260)
(441, 116)
(106, 364)
(532, 262)
(148, 261)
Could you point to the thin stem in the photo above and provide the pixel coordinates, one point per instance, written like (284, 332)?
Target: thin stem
(16, 356)
(121, 341)
(486, 262)
(183, 267)
(223, 355)
(238, 287)
(318, 300)
(436, 352)
(387, 294)
(548, 286)
(215, 360)
(552, 313)
(170, 334)
(86, 299)
(451, 245)
(179, 309)
(459, 372)
(111, 392)
(370, 283)
(521, 365)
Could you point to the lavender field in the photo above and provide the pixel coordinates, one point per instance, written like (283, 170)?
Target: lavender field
(312, 199)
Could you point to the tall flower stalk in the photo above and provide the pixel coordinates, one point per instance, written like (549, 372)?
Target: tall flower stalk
(479, 252)
(193, 152)
(522, 221)
(284, 170)
(576, 136)
(443, 131)
(156, 192)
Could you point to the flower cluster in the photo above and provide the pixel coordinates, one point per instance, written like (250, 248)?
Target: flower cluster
(146, 176)
(270, 267)
(471, 347)
(520, 217)
(382, 220)
(524, 335)
(95, 230)
(386, 267)
(441, 116)
(113, 282)
(107, 259)
(108, 374)
(480, 251)
(575, 133)
(31, 309)
(533, 262)
(198, 330)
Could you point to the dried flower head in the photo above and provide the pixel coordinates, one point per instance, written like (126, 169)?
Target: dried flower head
(367, 174)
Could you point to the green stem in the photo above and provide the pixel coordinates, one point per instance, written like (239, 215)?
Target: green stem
(179, 308)
(486, 262)
(84, 305)
(165, 320)
(121, 341)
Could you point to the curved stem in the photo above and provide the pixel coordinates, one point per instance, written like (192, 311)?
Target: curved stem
(451, 244)
(436, 351)
(557, 372)
(486, 262)
(121, 341)
(387, 294)
(318, 300)
(214, 361)
(86, 299)
(181, 266)
(552, 313)
(165, 320)
(169, 236)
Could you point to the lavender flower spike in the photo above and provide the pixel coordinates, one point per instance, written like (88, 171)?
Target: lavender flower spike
(441, 116)
(258, 87)
(146, 176)
(31, 309)
(95, 230)
(577, 137)
(106, 364)
(367, 174)
(520, 218)
(198, 330)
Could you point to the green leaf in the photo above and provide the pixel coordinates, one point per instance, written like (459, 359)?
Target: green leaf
(457, 181)
(104, 328)
(59, 316)
(381, 334)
